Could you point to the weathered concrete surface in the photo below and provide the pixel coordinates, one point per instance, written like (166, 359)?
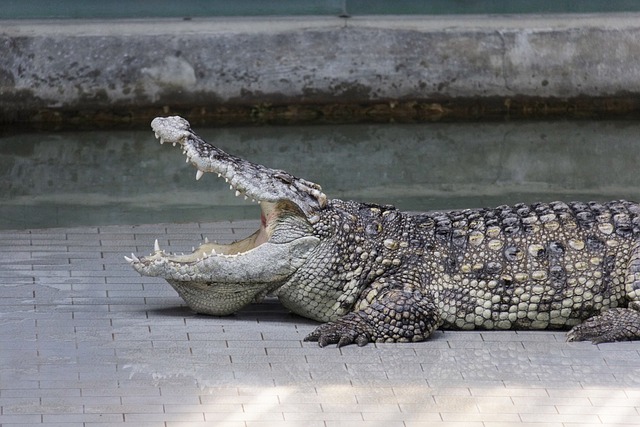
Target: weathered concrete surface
(261, 69)
(88, 342)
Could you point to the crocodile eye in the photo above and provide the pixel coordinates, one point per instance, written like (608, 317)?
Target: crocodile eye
(390, 215)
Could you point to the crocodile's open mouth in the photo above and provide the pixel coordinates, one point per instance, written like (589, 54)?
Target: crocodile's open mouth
(283, 199)
(268, 219)
(219, 278)
(289, 207)
(270, 214)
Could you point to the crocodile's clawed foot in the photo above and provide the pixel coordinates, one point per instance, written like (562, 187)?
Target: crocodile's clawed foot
(616, 324)
(344, 331)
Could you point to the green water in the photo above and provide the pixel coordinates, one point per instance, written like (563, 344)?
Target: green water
(47, 9)
(127, 177)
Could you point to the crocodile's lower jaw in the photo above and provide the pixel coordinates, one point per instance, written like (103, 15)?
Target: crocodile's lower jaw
(219, 279)
(217, 299)
(269, 214)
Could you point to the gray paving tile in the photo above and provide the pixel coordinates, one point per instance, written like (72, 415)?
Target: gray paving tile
(87, 341)
(20, 419)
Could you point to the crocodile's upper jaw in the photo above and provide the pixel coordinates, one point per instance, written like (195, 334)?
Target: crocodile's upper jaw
(244, 177)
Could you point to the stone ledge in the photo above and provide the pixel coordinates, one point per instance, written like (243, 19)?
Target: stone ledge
(315, 69)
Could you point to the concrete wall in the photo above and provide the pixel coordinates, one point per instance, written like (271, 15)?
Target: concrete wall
(319, 68)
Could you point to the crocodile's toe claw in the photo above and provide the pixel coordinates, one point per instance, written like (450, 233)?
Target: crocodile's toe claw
(341, 332)
(580, 332)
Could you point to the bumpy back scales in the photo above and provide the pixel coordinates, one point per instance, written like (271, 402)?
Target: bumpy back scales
(530, 266)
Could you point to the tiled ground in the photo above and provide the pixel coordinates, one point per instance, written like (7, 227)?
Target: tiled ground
(85, 341)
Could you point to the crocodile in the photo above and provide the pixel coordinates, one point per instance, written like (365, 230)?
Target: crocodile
(372, 273)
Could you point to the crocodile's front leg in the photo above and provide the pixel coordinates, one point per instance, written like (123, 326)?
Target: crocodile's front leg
(396, 315)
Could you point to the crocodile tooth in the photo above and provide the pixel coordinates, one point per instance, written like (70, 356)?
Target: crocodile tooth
(229, 255)
(134, 257)
(156, 246)
(174, 143)
(213, 252)
(206, 240)
(129, 260)
(219, 175)
(237, 193)
(199, 174)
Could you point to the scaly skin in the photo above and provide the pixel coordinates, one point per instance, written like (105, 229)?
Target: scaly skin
(373, 273)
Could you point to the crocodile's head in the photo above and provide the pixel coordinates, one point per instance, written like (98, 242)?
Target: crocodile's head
(219, 279)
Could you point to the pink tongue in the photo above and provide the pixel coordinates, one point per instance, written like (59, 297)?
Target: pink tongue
(262, 234)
